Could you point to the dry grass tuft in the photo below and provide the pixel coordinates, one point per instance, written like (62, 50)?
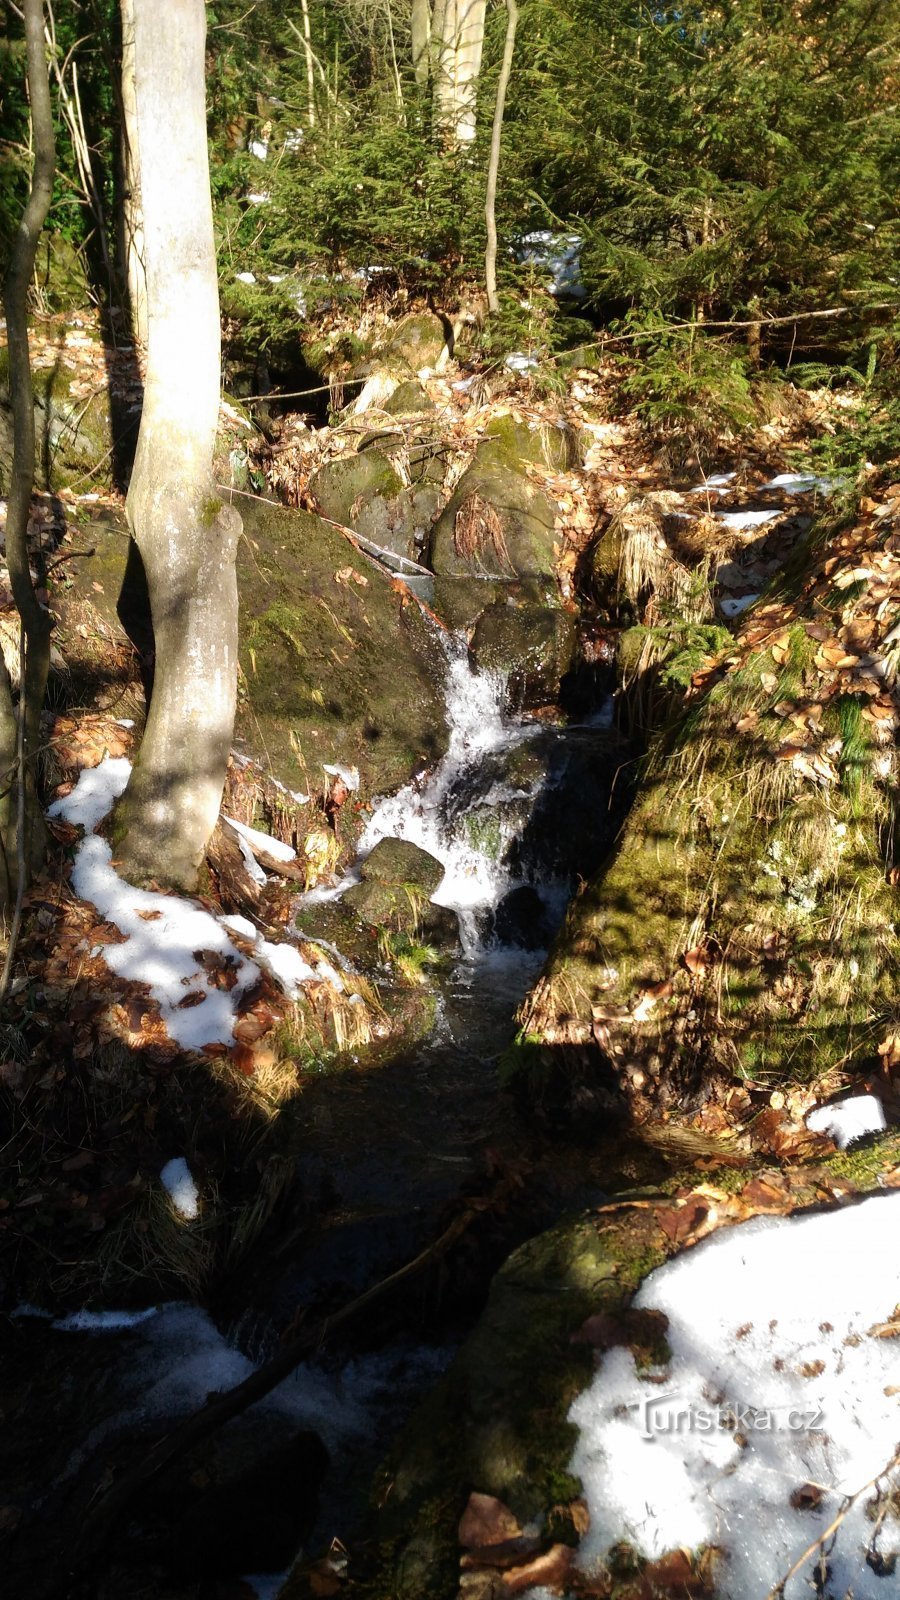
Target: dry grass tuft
(478, 528)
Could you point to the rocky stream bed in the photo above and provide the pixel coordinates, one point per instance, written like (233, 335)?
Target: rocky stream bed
(564, 1010)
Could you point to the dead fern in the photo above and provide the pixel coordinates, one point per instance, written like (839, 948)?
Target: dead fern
(478, 528)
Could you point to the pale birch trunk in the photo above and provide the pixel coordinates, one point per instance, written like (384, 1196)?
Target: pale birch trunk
(310, 74)
(458, 34)
(186, 537)
(132, 219)
(420, 27)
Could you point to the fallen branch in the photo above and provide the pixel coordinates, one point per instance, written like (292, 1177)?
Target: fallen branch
(99, 1515)
(777, 1590)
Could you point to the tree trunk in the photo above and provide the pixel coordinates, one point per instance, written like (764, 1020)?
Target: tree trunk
(22, 831)
(458, 31)
(132, 219)
(310, 75)
(490, 201)
(186, 537)
(421, 40)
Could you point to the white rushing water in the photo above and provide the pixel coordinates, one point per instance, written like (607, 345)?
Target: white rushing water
(424, 812)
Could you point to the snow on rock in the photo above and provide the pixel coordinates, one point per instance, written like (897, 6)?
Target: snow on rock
(276, 848)
(347, 775)
(177, 1180)
(559, 255)
(780, 1399)
(737, 604)
(521, 361)
(283, 961)
(800, 483)
(847, 1120)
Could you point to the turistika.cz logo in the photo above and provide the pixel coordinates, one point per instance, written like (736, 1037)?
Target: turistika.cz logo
(662, 1414)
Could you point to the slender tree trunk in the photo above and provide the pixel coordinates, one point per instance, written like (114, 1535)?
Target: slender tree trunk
(310, 74)
(25, 843)
(490, 202)
(421, 40)
(186, 537)
(458, 32)
(132, 218)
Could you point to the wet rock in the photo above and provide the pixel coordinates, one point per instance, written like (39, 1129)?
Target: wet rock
(398, 861)
(521, 920)
(460, 600)
(402, 908)
(532, 643)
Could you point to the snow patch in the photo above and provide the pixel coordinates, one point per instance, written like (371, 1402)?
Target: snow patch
(745, 519)
(94, 794)
(102, 1321)
(177, 1180)
(737, 604)
(777, 1381)
(801, 483)
(847, 1120)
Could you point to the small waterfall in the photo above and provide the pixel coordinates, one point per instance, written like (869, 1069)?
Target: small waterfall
(449, 814)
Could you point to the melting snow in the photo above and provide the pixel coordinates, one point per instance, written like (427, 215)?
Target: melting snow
(177, 1180)
(745, 519)
(739, 603)
(101, 1321)
(94, 794)
(847, 1120)
(166, 938)
(777, 1381)
(520, 361)
(800, 483)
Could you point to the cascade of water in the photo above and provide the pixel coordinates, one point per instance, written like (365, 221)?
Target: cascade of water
(431, 812)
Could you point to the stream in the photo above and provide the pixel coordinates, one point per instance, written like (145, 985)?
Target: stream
(518, 810)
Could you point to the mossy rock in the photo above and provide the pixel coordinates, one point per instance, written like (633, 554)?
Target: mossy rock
(417, 341)
(335, 668)
(498, 524)
(402, 524)
(344, 487)
(403, 908)
(498, 1421)
(534, 644)
(459, 601)
(768, 862)
(74, 436)
(400, 861)
(511, 441)
(61, 274)
(408, 400)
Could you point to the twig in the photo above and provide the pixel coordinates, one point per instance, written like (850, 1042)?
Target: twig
(777, 1590)
(221, 1408)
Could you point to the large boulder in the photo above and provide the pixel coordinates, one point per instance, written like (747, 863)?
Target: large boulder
(73, 429)
(400, 861)
(346, 487)
(499, 523)
(338, 663)
(417, 341)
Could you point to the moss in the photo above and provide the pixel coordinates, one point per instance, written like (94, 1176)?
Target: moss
(335, 669)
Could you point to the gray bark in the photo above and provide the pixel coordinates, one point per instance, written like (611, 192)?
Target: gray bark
(22, 834)
(490, 200)
(186, 537)
(458, 42)
(132, 220)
